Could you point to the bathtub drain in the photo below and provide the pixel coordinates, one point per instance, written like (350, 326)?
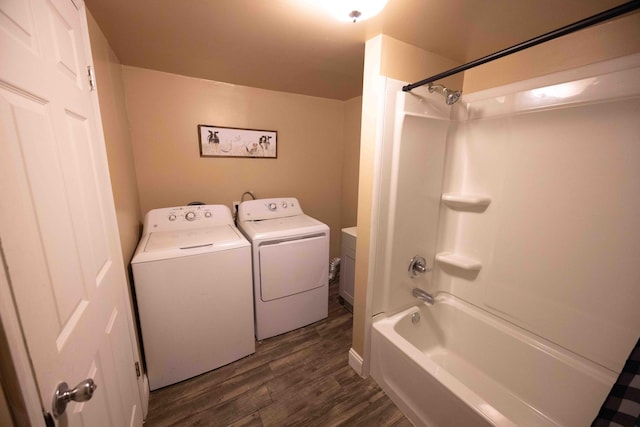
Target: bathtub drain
(415, 317)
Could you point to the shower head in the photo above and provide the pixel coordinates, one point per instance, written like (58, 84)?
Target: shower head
(451, 96)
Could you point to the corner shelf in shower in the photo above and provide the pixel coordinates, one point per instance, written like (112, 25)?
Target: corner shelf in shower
(459, 261)
(466, 201)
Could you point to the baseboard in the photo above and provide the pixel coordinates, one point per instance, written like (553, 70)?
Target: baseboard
(355, 361)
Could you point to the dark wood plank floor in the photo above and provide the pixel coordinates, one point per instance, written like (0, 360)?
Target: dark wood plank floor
(301, 378)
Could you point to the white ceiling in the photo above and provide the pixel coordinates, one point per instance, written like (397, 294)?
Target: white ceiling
(295, 46)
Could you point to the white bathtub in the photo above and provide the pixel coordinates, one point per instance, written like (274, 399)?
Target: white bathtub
(462, 366)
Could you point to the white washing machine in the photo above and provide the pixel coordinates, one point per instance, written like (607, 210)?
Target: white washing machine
(192, 278)
(290, 264)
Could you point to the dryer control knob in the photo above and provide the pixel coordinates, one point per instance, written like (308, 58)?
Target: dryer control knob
(190, 216)
(272, 206)
(284, 205)
(172, 217)
(207, 214)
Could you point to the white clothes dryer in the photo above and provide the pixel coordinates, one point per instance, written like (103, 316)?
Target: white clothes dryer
(290, 264)
(192, 279)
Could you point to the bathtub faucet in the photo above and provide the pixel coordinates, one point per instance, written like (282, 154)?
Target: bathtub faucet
(423, 295)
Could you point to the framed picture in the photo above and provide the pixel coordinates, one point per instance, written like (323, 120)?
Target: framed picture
(219, 141)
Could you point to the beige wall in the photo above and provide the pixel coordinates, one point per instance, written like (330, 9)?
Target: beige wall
(350, 162)
(165, 110)
(336, 139)
(405, 62)
(384, 57)
(117, 138)
(115, 126)
(609, 40)
(371, 101)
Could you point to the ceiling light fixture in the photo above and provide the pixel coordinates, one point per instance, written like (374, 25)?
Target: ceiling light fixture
(355, 10)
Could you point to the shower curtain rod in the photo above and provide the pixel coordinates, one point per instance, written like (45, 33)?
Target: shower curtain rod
(587, 22)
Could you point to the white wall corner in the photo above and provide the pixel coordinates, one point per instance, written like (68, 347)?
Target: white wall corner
(355, 361)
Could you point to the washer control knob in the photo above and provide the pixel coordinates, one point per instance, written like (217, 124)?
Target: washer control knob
(190, 216)
(272, 206)
(207, 214)
(284, 205)
(172, 217)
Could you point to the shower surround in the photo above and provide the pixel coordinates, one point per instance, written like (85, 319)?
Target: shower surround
(525, 202)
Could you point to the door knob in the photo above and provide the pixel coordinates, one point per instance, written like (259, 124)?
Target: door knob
(81, 393)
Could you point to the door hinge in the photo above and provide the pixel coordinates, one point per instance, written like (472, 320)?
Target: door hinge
(137, 364)
(92, 78)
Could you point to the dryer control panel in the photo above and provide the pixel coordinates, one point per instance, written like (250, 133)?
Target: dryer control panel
(185, 217)
(260, 209)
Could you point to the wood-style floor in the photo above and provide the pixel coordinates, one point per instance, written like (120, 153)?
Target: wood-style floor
(301, 378)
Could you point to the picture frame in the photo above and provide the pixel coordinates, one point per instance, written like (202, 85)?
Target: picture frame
(223, 141)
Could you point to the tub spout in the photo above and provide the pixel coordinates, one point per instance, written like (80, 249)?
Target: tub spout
(423, 296)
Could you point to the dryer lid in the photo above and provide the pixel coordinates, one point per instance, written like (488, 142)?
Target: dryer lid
(282, 227)
(189, 239)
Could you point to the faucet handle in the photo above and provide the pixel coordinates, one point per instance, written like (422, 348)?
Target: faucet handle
(418, 266)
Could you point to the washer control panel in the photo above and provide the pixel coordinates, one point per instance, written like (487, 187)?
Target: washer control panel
(261, 209)
(182, 217)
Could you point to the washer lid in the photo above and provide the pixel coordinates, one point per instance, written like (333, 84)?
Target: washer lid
(190, 239)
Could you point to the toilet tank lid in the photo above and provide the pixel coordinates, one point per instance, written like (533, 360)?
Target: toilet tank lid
(352, 231)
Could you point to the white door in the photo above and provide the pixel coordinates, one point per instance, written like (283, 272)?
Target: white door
(57, 220)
